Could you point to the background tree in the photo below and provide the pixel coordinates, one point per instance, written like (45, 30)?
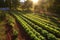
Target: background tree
(55, 8)
(13, 3)
(2, 3)
(27, 5)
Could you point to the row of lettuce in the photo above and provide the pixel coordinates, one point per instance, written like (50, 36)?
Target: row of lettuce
(38, 28)
(11, 25)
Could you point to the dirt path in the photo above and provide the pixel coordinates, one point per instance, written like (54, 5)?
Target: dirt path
(3, 30)
(19, 36)
(9, 32)
(6, 31)
(22, 34)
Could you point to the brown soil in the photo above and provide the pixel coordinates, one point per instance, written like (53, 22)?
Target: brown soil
(2, 32)
(8, 32)
(22, 35)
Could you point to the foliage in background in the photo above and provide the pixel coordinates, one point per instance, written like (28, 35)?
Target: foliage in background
(12, 3)
(55, 8)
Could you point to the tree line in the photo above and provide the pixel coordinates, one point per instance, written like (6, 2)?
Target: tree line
(47, 5)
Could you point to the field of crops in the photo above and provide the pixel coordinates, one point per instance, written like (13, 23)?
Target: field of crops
(29, 26)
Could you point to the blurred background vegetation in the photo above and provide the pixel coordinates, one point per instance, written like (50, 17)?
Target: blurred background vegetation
(51, 6)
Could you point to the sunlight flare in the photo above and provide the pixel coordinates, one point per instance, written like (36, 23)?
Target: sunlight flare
(34, 1)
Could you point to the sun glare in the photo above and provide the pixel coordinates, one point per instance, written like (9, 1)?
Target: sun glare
(22, 0)
(34, 1)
